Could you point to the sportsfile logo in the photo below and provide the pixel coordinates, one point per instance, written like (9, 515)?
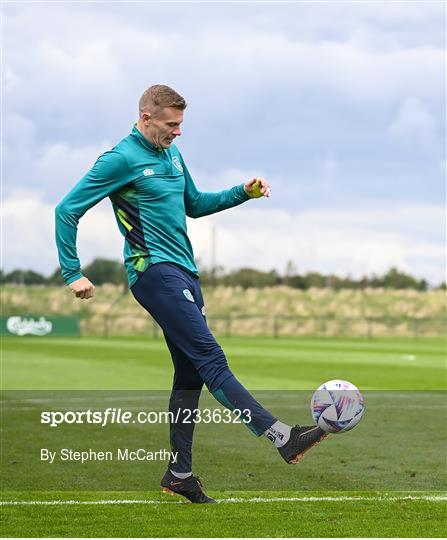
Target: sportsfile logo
(117, 415)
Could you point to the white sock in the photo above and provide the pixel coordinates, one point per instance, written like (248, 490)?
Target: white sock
(279, 433)
(181, 475)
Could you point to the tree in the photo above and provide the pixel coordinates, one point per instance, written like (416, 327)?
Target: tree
(56, 278)
(290, 272)
(102, 271)
(25, 277)
(248, 277)
(315, 279)
(394, 279)
(297, 282)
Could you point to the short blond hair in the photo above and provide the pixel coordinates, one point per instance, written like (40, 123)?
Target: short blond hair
(158, 97)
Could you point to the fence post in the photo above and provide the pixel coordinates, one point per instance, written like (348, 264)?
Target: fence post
(368, 328)
(321, 324)
(228, 326)
(415, 328)
(106, 326)
(275, 326)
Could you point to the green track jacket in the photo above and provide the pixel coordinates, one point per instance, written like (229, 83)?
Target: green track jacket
(151, 192)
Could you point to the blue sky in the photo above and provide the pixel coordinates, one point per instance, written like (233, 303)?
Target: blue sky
(340, 105)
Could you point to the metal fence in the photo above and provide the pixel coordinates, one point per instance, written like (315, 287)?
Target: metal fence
(278, 326)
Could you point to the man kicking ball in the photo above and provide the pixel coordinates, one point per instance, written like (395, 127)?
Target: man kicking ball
(152, 192)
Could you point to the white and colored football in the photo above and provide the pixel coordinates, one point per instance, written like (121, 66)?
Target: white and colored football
(337, 406)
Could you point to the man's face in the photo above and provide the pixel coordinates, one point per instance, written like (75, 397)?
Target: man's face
(164, 128)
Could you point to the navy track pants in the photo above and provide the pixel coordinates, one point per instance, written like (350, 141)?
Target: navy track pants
(174, 299)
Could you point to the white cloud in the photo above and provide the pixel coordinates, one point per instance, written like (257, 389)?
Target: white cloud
(25, 245)
(31, 244)
(79, 72)
(86, 62)
(18, 130)
(64, 164)
(114, 51)
(415, 126)
(50, 169)
(341, 242)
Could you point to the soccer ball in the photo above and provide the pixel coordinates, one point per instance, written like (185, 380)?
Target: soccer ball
(337, 406)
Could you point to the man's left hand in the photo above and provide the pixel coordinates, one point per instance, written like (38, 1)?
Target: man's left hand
(256, 188)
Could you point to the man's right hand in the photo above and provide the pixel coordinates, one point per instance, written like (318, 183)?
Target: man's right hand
(83, 288)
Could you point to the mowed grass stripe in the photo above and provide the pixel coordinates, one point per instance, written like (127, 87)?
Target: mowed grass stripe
(239, 345)
(357, 518)
(144, 363)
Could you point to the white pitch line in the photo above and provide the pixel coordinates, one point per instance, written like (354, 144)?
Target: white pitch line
(433, 498)
(429, 498)
(84, 503)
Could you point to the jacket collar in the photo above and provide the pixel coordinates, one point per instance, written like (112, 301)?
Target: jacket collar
(142, 139)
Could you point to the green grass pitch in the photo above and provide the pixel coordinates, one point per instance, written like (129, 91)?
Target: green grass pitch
(386, 478)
